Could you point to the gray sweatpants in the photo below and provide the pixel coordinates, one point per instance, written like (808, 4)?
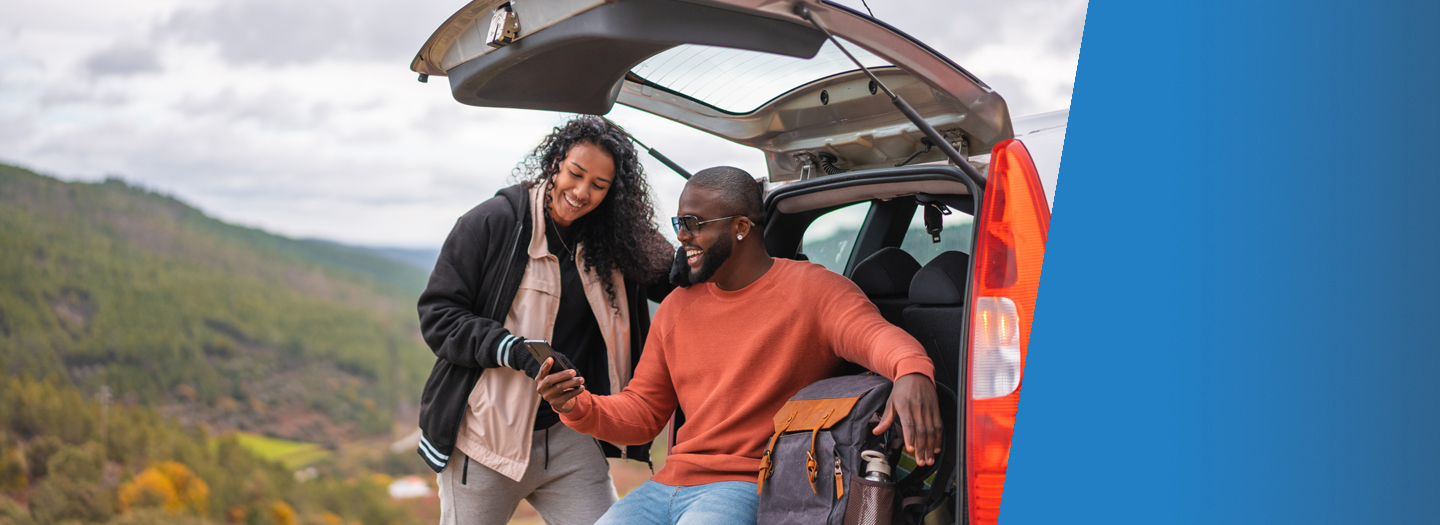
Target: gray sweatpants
(574, 489)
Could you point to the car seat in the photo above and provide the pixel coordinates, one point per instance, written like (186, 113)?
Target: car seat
(885, 278)
(936, 314)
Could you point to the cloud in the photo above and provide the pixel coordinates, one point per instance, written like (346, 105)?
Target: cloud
(302, 117)
(362, 178)
(285, 32)
(123, 60)
(1065, 40)
(14, 129)
(56, 96)
(1030, 48)
(275, 108)
(1017, 92)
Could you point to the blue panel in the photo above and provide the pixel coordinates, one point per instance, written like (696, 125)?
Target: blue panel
(1239, 320)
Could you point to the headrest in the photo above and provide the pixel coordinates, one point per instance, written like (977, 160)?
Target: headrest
(886, 272)
(941, 281)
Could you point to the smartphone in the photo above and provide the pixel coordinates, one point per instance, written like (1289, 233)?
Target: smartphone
(541, 351)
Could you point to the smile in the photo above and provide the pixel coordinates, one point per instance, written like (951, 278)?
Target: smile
(692, 255)
(570, 201)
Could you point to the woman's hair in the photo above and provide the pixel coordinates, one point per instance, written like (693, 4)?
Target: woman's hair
(620, 232)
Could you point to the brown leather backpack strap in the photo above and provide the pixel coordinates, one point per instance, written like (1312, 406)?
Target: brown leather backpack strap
(812, 466)
(765, 463)
(804, 415)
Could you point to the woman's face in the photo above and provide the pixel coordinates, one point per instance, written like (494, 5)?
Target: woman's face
(582, 182)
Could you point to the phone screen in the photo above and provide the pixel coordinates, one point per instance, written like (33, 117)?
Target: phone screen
(541, 351)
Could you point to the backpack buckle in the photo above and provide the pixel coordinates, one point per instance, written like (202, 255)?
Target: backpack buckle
(766, 465)
(812, 467)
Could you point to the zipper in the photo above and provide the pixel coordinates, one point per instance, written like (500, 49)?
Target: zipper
(504, 277)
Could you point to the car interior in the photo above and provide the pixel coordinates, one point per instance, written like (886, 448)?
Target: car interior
(902, 235)
(902, 216)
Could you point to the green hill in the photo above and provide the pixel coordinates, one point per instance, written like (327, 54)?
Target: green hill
(107, 284)
(68, 460)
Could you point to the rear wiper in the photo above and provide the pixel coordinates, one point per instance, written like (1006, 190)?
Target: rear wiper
(900, 104)
(662, 158)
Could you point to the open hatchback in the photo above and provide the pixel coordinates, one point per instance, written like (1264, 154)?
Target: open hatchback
(949, 254)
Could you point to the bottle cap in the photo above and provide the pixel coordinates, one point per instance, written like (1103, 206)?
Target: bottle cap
(875, 462)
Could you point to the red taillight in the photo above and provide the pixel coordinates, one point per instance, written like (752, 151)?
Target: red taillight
(1009, 252)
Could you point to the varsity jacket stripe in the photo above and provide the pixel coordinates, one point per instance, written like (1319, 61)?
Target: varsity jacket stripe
(434, 458)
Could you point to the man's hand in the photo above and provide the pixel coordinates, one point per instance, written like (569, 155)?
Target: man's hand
(913, 399)
(560, 388)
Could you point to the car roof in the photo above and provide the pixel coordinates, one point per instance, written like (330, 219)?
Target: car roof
(750, 71)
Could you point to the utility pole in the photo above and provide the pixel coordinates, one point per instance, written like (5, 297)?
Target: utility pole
(104, 396)
(397, 386)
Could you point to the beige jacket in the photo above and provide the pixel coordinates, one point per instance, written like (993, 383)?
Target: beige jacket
(497, 427)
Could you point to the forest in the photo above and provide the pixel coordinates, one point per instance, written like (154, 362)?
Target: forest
(68, 459)
(143, 340)
(111, 285)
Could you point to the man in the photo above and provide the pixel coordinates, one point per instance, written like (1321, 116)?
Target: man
(745, 334)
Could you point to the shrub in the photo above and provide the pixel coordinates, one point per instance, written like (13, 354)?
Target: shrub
(73, 489)
(38, 452)
(12, 513)
(167, 485)
(12, 469)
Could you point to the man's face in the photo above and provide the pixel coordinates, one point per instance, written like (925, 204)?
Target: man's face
(703, 252)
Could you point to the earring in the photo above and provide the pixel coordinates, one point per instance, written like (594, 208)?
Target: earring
(739, 237)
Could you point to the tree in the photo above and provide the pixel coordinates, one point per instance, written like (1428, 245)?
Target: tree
(167, 485)
(12, 513)
(156, 517)
(282, 513)
(38, 452)
(12, 466)
(73, 489)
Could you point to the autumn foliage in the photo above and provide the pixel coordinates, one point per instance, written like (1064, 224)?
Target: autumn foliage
(167, 485)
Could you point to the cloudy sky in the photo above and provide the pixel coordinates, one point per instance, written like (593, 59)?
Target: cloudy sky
(302, 117)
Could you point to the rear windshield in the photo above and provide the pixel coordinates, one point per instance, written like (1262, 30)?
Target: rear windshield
(737, 81)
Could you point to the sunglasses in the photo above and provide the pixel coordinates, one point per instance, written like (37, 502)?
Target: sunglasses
(691, 223)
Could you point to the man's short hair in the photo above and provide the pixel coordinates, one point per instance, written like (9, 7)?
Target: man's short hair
(737, 191)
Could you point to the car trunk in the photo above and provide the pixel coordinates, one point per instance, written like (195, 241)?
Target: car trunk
(748, 71)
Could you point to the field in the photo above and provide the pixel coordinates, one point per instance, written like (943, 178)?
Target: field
(294, 455)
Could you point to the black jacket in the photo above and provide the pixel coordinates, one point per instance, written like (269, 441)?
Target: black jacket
(463, 308)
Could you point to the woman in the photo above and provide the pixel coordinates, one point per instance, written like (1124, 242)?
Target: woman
(568, 256)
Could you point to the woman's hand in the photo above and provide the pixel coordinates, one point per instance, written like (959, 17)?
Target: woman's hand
(559, 388)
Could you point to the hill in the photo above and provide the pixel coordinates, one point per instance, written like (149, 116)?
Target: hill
(419, 258)
(66, 459)
(110, 285)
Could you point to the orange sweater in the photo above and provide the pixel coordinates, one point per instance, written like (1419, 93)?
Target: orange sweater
(732, 359)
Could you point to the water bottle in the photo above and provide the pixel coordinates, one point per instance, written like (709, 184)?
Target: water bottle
(876, 468)
(872, 499)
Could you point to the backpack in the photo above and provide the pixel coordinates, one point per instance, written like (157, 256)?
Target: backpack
(812, 466)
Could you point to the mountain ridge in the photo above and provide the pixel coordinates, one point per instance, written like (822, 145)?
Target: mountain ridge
(112, 285)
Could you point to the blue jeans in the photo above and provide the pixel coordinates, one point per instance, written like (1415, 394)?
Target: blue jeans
(722, 503)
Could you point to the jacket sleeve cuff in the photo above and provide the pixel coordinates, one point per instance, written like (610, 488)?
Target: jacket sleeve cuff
(505, 350)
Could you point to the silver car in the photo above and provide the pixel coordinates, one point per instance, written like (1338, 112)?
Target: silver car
(940, 216)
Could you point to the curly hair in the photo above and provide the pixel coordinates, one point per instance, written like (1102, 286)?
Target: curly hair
(620, 232)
